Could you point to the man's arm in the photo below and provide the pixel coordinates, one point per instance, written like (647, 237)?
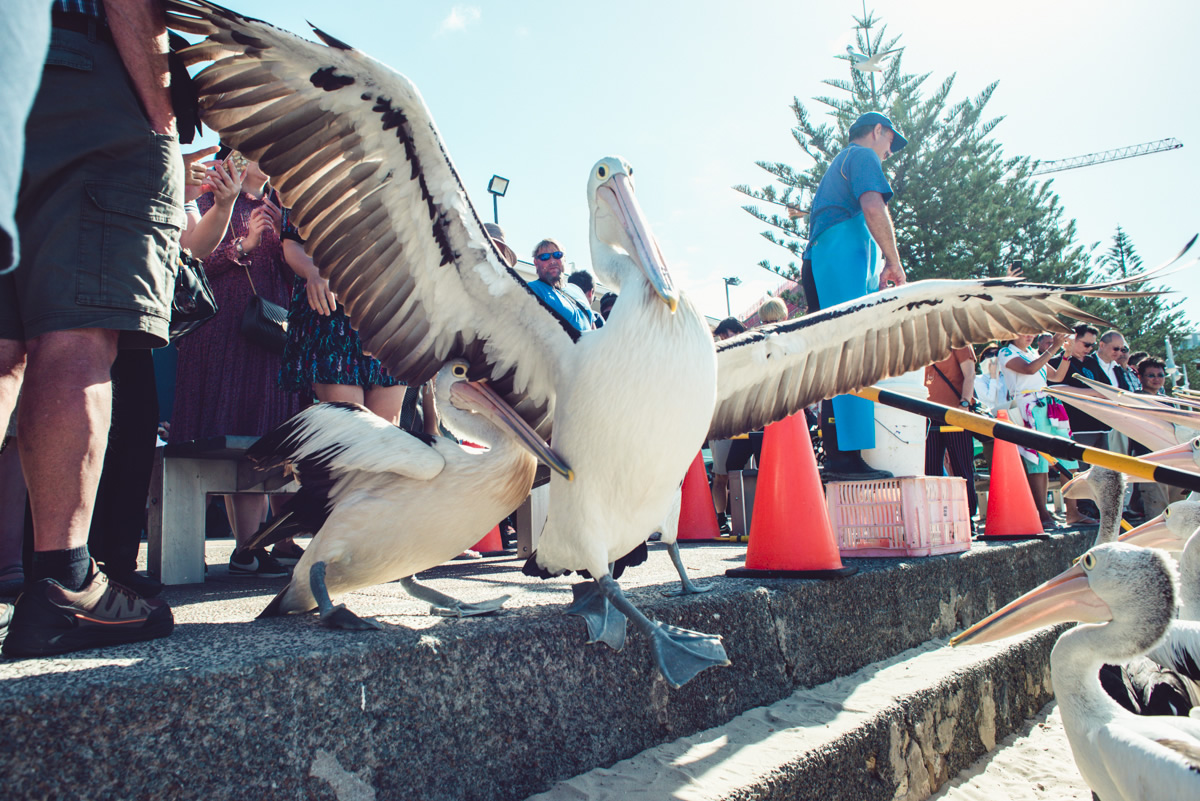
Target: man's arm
(879, 223)
(967, 367)
(139, 29)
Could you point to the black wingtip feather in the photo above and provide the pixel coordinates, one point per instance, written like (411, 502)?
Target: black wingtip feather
(332, 41)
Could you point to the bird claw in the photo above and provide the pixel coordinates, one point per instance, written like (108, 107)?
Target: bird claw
(681, 653)
(463, 609)
(604, 623)
(339, 617)
(687, 587)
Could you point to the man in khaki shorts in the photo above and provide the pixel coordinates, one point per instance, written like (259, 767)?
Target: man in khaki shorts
(98, 216)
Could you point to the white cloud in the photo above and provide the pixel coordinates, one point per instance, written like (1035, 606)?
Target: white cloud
(459, 18)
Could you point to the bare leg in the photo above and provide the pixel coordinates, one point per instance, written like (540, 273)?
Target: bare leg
(63, 431)
(246, 514)
(720, 492)
(339, 393)
(1039, 483)
(387, 402)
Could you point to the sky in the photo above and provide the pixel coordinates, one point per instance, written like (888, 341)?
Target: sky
(693, 93)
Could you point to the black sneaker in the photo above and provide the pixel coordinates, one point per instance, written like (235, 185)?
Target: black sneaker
(145, 586)
(849, 466)
(50, 619)
(287, 555)
(256, 562)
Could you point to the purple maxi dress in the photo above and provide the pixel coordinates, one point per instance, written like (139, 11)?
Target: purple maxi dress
(225, 384)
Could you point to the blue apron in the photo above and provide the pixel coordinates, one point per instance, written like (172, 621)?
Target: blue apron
(844, 268)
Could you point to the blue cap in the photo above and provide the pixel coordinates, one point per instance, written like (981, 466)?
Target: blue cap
(873, 118)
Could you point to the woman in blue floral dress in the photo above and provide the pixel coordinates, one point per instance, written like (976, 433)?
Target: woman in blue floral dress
(324, 355)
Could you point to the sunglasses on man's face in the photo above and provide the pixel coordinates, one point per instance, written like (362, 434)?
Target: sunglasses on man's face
(1121, 350)
(558, 254)
(1154, 375)
(1089, 345)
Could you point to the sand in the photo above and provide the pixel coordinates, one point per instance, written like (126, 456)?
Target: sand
(1034, 764)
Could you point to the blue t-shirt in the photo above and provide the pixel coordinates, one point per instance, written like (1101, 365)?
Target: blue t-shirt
(563, 304)
(852, 172)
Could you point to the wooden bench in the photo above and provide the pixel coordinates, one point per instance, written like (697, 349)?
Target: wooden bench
(185, 474)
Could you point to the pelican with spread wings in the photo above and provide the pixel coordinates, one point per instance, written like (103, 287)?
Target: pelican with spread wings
(353, 150)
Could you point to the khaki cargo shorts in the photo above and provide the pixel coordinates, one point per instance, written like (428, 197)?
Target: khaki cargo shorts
(100, 207)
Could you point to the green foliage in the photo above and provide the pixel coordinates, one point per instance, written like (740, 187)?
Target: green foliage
(961, 208)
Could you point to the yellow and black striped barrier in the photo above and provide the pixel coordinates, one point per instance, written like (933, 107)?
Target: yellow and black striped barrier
(1059, 447)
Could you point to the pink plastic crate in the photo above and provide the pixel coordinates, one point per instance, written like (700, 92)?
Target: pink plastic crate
(915, 516)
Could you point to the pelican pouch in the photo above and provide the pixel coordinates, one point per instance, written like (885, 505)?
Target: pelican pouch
(264, 323)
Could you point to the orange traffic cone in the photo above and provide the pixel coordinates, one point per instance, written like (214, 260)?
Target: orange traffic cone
(790, 533)
(491, 544)
(697, 517)
(1011, 510)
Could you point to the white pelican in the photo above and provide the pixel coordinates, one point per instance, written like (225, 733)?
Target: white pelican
(380, 500)
(1124, 596)
(354, 152)
(1105, 488)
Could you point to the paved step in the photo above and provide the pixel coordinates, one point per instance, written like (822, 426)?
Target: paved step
(229, 707)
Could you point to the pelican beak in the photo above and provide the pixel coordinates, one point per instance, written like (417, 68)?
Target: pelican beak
(1153, 534)
(1181, 457)
(482, 399)
(1066, 597)
(1151, 427)
(618, 194)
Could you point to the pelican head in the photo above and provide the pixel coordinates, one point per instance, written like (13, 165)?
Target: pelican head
(1111, 582)
(462, 402)
(619, 225)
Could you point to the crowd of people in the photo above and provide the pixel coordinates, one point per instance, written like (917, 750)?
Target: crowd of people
(96, 202)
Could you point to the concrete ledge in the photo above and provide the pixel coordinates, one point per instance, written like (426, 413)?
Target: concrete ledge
(897, 729)
(489, 708)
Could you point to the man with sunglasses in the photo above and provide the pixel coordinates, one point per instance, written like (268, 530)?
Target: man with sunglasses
(551, 285)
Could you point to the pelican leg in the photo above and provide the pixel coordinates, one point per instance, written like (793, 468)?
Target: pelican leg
(443, 605)
(687, 587)
(679, 653)
(604, 623)
(335, 617)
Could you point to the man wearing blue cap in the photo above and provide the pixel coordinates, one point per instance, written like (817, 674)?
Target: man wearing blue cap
(849, 217)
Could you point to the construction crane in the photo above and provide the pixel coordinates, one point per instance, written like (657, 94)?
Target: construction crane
(1075, 162)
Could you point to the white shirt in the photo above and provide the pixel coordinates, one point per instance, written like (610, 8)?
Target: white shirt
(1016, 383)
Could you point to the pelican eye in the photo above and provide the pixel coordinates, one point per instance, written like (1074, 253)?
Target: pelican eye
(459, 371)
(602, 172)
(1089, 561)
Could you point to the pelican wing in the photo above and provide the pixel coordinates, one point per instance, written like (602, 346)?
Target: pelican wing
(354, 153)
(337, 438)
(768, 373)
(1151, 758)
(1180, 649)
(1153, 428)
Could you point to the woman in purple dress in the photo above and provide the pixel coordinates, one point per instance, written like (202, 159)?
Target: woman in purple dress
(225, 384)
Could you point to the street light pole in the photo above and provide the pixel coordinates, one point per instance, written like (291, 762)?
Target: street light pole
(497, 186)
(732, 281)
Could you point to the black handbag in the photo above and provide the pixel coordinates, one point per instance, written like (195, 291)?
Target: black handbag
(264, 323)
(193, 304)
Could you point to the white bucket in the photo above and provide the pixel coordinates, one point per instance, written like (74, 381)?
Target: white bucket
(899, 435)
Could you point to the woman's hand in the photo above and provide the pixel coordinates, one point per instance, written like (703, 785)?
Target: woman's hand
(225, 182)
(320, 297)
(260, 223)
(194, 173)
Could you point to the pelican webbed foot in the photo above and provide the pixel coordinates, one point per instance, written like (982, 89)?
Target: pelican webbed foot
(604, 623)
(687, 586)
(679, 653)
(444, 605)
(335, 617)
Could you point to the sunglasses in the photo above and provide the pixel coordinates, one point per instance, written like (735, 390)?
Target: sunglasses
(1155, 375)
(1121, 350)
(558, 254)
(1089, 345)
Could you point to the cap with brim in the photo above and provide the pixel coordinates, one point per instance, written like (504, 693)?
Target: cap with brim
(497, 235)
(873, 118)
